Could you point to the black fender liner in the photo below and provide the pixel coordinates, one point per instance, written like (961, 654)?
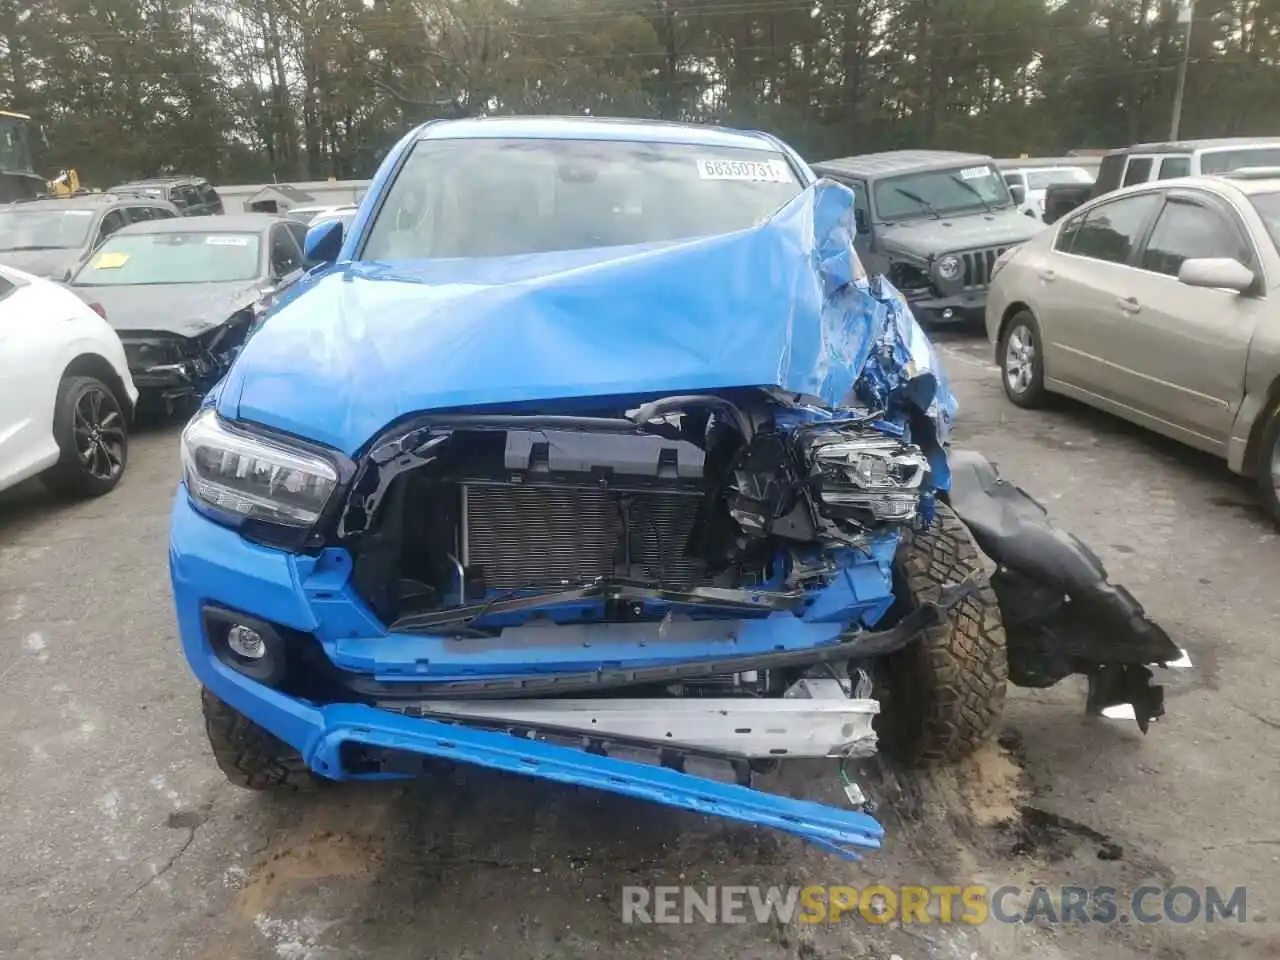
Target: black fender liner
(1062, 615)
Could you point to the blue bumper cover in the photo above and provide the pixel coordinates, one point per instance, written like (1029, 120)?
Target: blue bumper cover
(211, 564)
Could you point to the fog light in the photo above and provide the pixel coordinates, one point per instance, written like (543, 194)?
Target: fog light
(246, 641)
(249, 646)
(948, 313)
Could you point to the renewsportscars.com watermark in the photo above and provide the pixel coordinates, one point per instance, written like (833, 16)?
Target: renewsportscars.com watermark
(973, 904)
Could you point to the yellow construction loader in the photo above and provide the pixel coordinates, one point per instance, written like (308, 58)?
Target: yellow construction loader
(18, 178)
(65, 184)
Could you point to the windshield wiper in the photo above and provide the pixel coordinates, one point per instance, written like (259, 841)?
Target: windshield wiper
(974, 190)
(916, 198)
(33, 247)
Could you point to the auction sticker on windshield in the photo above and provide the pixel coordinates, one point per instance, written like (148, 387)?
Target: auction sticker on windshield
(759, 171)
(975, 173)
(227, 241)
(110, 260)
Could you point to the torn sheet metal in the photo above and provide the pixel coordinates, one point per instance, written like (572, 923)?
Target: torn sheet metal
(791, 309)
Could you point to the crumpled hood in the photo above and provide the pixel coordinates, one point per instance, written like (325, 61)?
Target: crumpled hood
(784, 304)
(40, 263)
(183, 309)
(927, 237)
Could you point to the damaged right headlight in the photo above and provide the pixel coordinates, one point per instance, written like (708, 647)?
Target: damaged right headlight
(246, 476)
(873, 478)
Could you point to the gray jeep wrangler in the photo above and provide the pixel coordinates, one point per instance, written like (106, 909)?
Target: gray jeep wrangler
(933, 222)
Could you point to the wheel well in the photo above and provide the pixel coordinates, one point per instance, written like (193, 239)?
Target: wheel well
(1250, 465)
(92, 365)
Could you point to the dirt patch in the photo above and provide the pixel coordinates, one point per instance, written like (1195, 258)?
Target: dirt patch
(990, 782)
(322, 846)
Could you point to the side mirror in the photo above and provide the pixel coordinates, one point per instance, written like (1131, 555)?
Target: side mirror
(324, 242)
(1018, 193)
(1221, 273)
(860, 221)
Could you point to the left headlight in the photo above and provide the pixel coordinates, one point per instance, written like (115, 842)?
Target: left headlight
(949, 267)
(869, 477)
(254, 477)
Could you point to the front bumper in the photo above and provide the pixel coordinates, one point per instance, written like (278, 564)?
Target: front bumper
(171, 381)
(211, 565)
(955, 308)
(184, 372)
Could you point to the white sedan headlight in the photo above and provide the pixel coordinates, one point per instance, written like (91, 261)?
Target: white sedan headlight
(253, 476)
(949, 267)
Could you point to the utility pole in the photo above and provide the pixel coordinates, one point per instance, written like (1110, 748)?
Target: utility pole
(1186, 13)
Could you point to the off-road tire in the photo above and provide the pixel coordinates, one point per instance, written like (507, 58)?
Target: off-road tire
(250, 756)
(71, 478)
(942, 696)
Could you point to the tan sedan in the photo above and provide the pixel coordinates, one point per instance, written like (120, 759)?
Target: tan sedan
(1159, 303)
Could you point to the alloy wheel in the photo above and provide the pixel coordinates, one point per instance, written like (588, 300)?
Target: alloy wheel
(1275, 466)
(98, 428)
(1019, 359)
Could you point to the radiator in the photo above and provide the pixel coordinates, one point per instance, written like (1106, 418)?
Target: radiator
(525, 535)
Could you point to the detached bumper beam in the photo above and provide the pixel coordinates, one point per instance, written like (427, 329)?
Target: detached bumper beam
(815, 719)
(838, 831)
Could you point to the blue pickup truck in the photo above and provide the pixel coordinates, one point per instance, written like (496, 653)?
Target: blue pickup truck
(590, 452)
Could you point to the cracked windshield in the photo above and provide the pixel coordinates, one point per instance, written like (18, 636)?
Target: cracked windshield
(639, 479)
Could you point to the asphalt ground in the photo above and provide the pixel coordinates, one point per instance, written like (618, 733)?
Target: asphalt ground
(120, 840)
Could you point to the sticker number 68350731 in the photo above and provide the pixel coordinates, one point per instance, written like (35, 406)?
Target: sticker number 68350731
(760, 171)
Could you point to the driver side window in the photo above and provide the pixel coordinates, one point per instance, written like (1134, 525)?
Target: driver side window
(1186, 230)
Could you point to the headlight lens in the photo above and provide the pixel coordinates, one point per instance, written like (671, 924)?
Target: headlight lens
(871, 476)
(149, 353)
(949, 267)
(254, 477)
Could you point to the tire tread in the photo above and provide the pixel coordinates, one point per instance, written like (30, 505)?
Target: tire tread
(250, 756)
(946, 690)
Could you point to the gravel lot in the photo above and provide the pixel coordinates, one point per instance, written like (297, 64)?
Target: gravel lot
(120, 839)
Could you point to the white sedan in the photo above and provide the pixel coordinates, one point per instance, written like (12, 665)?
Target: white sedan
(66, 397)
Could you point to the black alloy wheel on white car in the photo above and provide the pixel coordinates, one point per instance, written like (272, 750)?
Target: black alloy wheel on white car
(1021, 367)
(91, 429)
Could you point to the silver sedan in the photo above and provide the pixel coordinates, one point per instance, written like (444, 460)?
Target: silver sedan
(1157, 303)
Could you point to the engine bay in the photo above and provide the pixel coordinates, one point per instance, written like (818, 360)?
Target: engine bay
(688, 506)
